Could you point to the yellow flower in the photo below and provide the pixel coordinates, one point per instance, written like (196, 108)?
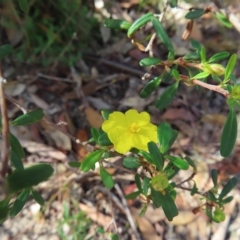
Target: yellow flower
(129, 130)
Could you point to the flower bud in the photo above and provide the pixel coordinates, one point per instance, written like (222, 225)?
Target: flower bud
(236, 92)
(214, 68)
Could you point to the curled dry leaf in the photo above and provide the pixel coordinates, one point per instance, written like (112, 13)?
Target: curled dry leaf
(93, 117)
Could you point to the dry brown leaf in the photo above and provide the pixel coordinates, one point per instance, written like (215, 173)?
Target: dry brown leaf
(146, 228)
(43, 150)
(93, 117)
(82, 136)
(95, 216)
(216, 119)
(178, 113)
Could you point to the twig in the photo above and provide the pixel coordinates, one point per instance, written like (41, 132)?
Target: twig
(5, 129)
(54, 78)
(127, 211)
(186, 180)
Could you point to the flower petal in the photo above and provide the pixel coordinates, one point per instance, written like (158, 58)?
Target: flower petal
(116, 119)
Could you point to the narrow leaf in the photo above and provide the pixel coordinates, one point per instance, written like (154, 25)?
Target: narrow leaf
(20, 202)
(173, 3)
(196, 45)
(229, 134)
(117, 24)
(138, 182)
(106, 178)
(140, 22)
(89, 161)
(201, 75)
(149, 61)
(16, 161)
(28, 177)
(103, 140)
(95, 133)
(230, 67)
(23, 5)
(145, 185)
(28, 118)
(203, 54)
(166, 136)
(191, 163)
(224, 20)
(131, 162)
(231, 184)
(105, 114)
(162, 34)
(133, 195)
(166, 98)
(74, 164)
(214, 175)
(150, 87)
(16, 146)
(218, 57)
(37, 197)
(156, 155)
(195, 14)
(179, 162)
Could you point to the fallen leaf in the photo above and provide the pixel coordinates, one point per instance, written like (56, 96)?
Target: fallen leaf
(93, 117)
(178, 113)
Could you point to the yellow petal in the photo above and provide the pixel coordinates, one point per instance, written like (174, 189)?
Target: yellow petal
(116, 119)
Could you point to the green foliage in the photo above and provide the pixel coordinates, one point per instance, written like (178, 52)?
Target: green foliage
(89, 161)
(5, 50)
(156, 155)
(28, 177)
(77, 223)
(131, 162)
(106, 178)
(229, 134)
(224, 20)
(28, 118)
(196, 13)
(150, 87)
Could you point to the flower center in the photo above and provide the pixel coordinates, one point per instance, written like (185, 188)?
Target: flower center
(133, 128)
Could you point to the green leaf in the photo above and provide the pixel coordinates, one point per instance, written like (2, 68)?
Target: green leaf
(218, 215)
(173, 3)
(28, 118)
(3, 210)
(194, 190)
(114, 236)
(211, 196)
(19, 202)
(196, 45)
(104, 140)
(229, 134)
(197, 13)
(23, 5)
(143, 210)
(5, 50)
(117, 24)
(160, 182)
(100, 230)
(203, 54)
(167, 97)
(147, 156)
(191, 163)
(95, 133)
(149, 61)
(16, 146)
(156, 155)
(171, 170)
(106, 178)
(138, 182)
(166, 136)
(74, 164)
(224, 20)
(140, 22)
(145, 185)
(227, 200)
(155, 195)
(230, 67)
(89, 161)
(105, 114)
(168, 205)
(161, 33)
(230, 185)
(168, 76)
(16, 161)
(218, 57)
(28, 177)
(131, 162)
(150, 87)
(192, 56)
(37, 197)
(179, 162)
(201, 75)
(133, 195)
(214, 175)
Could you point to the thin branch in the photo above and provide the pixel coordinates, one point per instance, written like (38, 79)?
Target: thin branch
(5, 129)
